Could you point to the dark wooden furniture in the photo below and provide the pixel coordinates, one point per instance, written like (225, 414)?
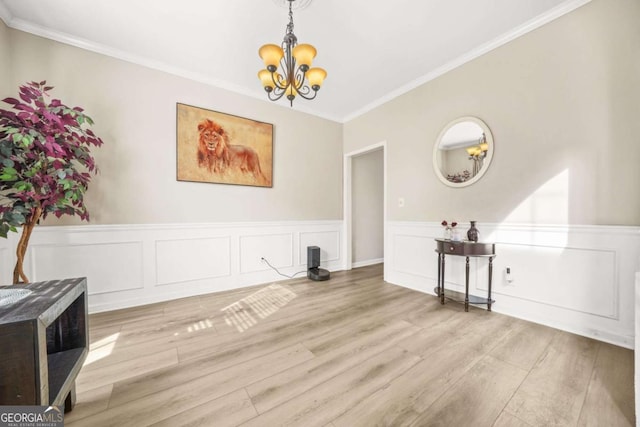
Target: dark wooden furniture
(44, 342)
(465, 249)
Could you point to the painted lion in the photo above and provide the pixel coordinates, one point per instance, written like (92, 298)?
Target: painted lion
(211, 145)
(218, 155)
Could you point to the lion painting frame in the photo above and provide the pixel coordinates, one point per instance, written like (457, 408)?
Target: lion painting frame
(222, 148)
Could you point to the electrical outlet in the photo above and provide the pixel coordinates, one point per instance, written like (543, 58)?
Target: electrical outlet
(508, 275)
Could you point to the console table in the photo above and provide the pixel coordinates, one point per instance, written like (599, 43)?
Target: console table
(44, 340)
(465, 249)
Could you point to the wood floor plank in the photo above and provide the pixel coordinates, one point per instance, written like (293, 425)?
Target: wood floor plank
(445, 362)
(609, 396)
(234, 376)
(115, 352)
(431, 313)
(554, 391)
(275, 390)
(465, 404)
(156, 406)
(226, 411)
(460, 328)
(88, 403)
(524, 345)
(144, 364)
(507, 420)
(128, 315)
(329, 399)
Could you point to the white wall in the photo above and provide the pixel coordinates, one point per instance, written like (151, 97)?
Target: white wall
(562, 105)
(5, 54)
(367, 189)
(134, 109)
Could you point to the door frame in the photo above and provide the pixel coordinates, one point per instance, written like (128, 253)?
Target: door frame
(347, 242)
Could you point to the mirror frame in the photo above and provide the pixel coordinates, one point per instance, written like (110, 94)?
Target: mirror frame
(487, 159)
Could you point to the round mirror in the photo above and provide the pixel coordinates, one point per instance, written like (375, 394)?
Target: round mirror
(463, 151)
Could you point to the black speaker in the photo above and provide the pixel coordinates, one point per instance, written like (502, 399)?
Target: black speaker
(313, 257)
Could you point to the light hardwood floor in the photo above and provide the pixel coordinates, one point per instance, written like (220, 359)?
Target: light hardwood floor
(353, 351)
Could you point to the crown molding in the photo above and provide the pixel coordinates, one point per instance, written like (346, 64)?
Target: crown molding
(68, 39)
(505, 38)
(61, 37)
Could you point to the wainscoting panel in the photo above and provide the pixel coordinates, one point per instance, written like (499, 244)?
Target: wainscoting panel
(186, 260)
(277, 249)
(130, 265)
(114, 267)
(328, 241)
(6, 262)
(583, 279)
(409, 255)
(575, 278)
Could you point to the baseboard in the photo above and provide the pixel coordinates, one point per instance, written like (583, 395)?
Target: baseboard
(365, 263)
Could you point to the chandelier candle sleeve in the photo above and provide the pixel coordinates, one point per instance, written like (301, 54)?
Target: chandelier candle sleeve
(288, 69)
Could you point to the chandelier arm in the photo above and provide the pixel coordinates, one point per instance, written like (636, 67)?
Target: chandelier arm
(299, 78)
(305, 94)
(276, 85)
(275, 95)
(301, 88)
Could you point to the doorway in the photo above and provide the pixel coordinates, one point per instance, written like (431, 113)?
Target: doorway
(365, 201)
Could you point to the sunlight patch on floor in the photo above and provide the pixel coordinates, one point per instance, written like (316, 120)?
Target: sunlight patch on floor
(101, 349)
(200, 326)
(245, 313)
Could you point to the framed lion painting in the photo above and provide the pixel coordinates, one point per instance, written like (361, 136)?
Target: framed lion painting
(221, 148)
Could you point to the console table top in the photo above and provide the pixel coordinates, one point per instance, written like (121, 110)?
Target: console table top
(465, 248)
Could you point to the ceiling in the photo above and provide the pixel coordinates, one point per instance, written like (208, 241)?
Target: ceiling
(373, 51)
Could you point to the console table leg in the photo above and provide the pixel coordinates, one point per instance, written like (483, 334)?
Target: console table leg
(441, 279)
(466, 286)
(490, 275)
(438, 281)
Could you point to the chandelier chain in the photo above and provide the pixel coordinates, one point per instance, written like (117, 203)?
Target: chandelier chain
(290, 24)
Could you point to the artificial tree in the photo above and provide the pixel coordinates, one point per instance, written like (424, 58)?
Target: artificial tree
(45, 163)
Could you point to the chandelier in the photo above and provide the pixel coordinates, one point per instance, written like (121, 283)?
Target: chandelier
(295, 77)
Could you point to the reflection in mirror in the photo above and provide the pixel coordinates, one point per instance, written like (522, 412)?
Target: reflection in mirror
(463, 152)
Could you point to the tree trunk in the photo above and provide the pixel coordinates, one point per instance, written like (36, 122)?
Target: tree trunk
(21, 250)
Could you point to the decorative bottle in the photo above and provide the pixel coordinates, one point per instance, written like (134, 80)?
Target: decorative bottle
(447, 233)
(473, 233)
